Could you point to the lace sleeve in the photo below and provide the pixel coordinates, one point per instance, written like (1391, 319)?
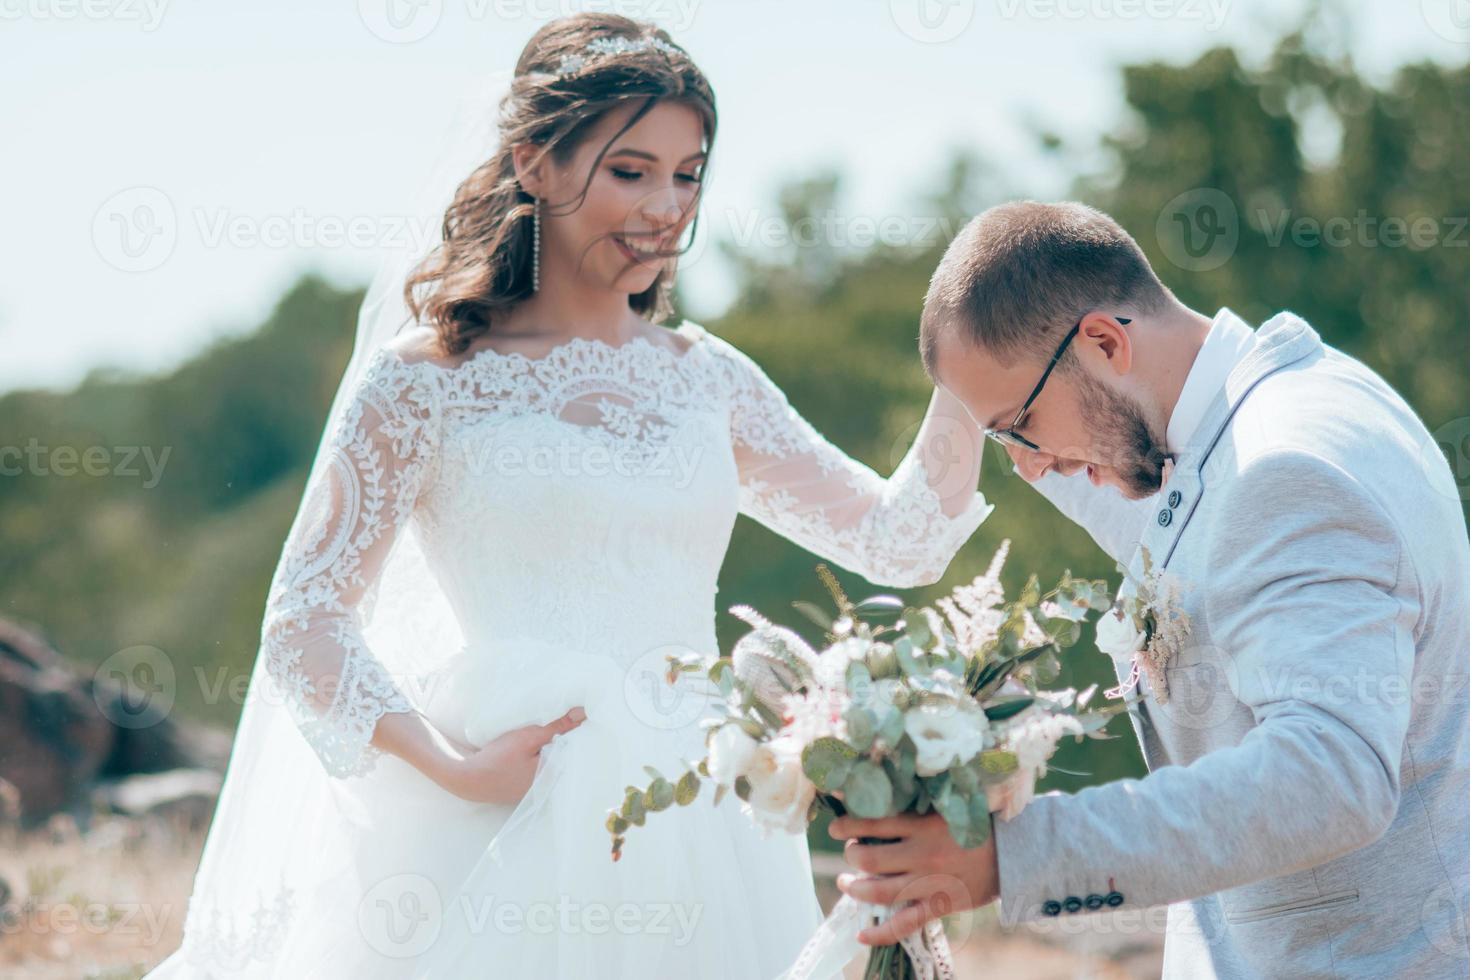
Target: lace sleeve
(900, 532)
(379, 457)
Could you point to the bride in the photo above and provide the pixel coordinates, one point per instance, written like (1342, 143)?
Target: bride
(519, 508)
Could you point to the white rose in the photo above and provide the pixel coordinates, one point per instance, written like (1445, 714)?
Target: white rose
(1117, 636)
(731, 752)
(780, 792)
(944, 735)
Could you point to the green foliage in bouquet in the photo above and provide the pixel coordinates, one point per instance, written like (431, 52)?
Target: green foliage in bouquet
(940, 708)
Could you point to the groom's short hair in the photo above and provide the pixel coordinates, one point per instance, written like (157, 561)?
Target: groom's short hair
(1019, 276)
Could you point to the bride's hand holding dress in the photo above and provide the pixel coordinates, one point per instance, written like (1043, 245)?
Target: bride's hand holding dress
(502, 770)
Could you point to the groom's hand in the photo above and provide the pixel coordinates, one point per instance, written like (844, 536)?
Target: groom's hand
(923, 870)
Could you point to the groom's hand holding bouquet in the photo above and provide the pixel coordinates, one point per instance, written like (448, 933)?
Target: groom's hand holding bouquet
(911, 726)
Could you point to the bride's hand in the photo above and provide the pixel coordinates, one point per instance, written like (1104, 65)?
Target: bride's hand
(501, 771)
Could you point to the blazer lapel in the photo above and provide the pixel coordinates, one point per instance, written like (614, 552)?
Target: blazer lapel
(1280, 342)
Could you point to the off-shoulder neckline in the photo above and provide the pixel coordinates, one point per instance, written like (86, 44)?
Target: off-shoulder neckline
(686, 328)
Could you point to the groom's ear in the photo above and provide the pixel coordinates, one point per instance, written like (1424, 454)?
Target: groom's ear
(1107, 340)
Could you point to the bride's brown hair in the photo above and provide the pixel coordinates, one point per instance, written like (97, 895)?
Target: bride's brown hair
(482, 266)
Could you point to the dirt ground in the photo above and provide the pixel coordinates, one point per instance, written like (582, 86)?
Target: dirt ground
(109, 904)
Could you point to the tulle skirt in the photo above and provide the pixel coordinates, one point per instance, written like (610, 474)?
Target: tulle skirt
(451, 889)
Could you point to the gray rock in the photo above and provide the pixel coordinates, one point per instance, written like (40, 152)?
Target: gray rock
(58, 735)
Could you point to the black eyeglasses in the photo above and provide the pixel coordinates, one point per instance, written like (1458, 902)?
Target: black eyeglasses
(1009, 436)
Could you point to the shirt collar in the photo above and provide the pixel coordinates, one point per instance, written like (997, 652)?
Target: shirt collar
(1229, 340)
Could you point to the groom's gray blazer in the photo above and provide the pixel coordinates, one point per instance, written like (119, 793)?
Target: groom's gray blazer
(1307, 812)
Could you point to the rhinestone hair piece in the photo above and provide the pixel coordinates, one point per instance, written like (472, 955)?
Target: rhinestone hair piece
(617, 44)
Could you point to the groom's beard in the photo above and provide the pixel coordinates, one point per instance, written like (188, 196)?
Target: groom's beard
(1137, 453)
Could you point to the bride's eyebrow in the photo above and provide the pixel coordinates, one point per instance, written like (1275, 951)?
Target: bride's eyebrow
(650, 157)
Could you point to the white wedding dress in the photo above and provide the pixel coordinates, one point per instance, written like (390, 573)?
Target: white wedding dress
(575, 510)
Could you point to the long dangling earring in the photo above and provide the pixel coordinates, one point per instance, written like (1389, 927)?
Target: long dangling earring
(536, 245)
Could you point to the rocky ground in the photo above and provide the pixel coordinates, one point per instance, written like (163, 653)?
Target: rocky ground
(108, 903)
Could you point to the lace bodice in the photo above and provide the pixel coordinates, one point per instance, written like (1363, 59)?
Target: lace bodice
(581, 501)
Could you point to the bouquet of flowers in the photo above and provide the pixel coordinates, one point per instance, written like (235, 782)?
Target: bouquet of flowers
(939, 708)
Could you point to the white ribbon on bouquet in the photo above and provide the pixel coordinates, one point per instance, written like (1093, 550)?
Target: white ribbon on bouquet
(835, 943)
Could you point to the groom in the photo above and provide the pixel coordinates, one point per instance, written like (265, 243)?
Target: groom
(1307, 809)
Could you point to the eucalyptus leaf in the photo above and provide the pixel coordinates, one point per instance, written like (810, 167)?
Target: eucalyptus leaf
(862, 725)
(1048, 667)
(905, 784)
(955, 809)
(868, 793)
(908, 662)
(1031, 592)
(965, 779)
(660, 795)
(980, 823)
(1065, 632)
(890, 728)
(634, 810)
(828, 762)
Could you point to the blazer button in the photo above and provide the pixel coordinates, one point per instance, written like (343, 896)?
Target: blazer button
(1094, 902)
(1166, 517)
(1072, 904)
(1114, 899)
(1051, 907)
(1175, 498)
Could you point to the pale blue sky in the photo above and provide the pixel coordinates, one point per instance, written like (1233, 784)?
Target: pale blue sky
(243, 134)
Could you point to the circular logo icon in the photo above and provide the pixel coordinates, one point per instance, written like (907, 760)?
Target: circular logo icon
(953, 443)
(401, 915)
(135, 230)
(943, 895)
(1450, 19)
(932, 21)
(1203, 683)
(401, 21)
(135, 687)
(655, 701)
(1199, 230)
(1443, 917)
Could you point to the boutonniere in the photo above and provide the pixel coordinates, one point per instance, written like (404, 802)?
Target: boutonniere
(1148, 625)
